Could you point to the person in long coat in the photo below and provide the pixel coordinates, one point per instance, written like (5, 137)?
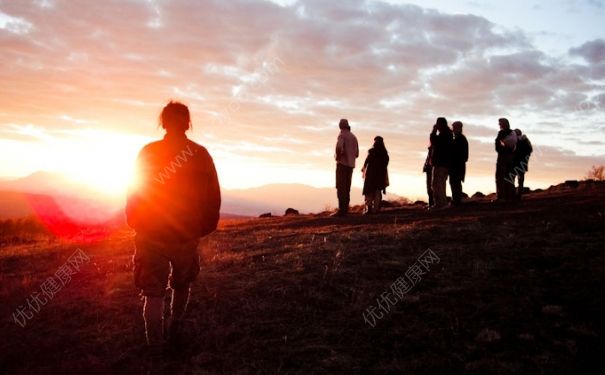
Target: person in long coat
(376, 177)
(459, 158)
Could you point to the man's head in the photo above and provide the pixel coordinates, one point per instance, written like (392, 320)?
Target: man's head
(344, 124)
(457, 127)
(519, 132)
(504, 124)
(175, 117)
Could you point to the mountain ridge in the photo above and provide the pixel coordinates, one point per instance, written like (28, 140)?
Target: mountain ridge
(245, 202)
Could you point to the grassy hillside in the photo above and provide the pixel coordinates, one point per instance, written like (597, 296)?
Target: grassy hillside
(516, 289)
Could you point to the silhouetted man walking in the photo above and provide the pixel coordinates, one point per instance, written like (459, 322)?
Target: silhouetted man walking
(175, 202)
(347, 150)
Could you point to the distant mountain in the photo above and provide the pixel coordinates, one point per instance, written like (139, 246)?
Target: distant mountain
(14, 205)
(50, 193)
(21, 204)
(275, 198)
(80, 202)
(49, 183)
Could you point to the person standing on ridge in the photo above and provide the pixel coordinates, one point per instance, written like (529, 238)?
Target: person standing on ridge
(375, 174)
(458, 162)
(427, 168)
(441, 142)
(506, 143)
(521, 160)
(347, 150)
(175, 202)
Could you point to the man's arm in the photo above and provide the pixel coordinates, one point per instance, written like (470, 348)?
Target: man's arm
(340, 147)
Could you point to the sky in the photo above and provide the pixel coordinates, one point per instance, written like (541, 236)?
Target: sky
(82, 84)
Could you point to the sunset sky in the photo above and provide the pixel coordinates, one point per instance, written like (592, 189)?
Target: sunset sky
(83, 82)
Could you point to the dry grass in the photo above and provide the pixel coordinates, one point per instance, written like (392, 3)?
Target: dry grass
(517, 290)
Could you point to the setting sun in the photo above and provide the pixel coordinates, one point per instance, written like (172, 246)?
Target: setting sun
(101, 161)
(108, 174)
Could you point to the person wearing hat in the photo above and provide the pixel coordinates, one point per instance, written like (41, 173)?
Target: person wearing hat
(347, 150)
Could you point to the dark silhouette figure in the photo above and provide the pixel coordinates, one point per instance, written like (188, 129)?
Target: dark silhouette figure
(347, 150)
(376, 176)
(441, 143)
(174, 204)
(428, 170)
(458, 162)
(521, 160)
(506, 142)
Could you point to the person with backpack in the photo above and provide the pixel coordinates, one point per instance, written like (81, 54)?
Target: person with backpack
(506, 143)
(521, 160)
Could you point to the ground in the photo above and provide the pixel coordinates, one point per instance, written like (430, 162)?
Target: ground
(509, 289)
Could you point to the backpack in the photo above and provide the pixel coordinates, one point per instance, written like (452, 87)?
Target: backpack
(524, 146)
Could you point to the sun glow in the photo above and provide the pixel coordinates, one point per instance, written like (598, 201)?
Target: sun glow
(108, 174)
(95, 161)
(106, 166)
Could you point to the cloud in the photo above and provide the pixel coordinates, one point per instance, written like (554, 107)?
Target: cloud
(14, 25)
(268, 81)
(593, 51)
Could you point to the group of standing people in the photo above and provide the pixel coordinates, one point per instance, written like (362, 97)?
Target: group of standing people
(447, 156)
(374, 171)
(514, 149)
